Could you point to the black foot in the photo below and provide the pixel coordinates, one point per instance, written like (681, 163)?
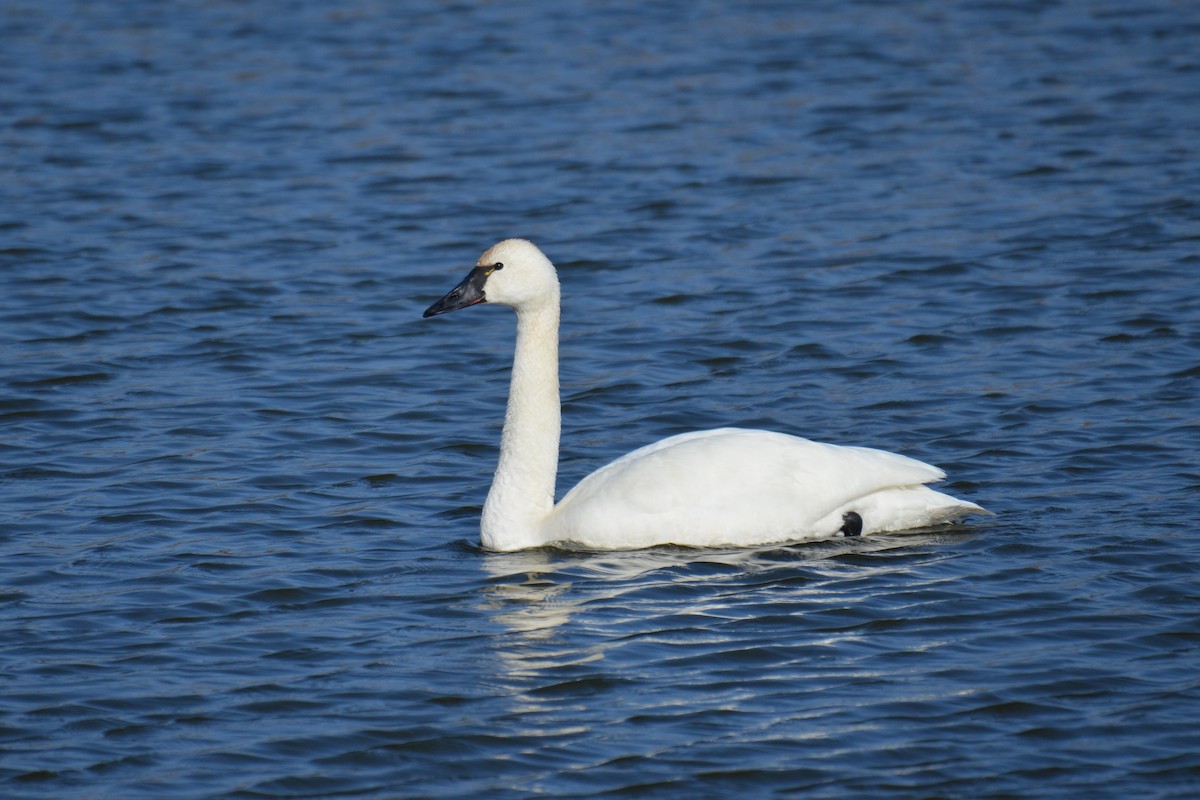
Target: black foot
(851, 524)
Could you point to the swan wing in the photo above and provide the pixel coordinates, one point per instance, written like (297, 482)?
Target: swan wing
(733, 486)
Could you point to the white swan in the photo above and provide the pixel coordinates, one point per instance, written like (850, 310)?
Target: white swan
(725, 487)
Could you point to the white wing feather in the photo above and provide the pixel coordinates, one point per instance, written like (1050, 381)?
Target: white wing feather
(731, 486)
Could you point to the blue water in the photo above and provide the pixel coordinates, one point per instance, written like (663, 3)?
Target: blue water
(240, 478)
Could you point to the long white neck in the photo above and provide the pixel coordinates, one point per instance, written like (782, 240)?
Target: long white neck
(522, 494)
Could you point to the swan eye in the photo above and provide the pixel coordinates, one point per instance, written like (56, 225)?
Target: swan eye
(497, 266)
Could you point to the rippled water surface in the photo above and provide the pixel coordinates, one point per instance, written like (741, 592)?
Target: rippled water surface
(240, 478)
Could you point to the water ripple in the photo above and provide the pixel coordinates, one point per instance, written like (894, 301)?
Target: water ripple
(241, 477)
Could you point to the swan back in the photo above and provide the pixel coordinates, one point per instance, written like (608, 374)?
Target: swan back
(733, 487)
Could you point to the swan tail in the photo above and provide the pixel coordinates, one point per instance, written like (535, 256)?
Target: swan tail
(901, 508)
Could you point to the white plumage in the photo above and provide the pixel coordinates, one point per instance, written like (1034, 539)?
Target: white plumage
(718, 488)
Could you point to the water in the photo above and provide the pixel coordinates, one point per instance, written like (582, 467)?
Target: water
(242, 477)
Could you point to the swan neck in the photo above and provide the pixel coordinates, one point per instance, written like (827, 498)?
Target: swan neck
(522, 493)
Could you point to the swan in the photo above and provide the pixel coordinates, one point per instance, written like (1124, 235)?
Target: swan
(728, 487)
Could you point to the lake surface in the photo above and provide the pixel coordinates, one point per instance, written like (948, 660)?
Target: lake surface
(240, 477)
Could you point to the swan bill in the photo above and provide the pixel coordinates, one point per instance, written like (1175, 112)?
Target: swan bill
(469, 292)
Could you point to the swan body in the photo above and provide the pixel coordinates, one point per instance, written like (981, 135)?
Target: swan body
(718, 488)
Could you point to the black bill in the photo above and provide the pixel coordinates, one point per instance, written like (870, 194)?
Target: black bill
(468, 293)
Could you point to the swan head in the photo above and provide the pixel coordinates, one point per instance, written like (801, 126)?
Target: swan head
(513, 273)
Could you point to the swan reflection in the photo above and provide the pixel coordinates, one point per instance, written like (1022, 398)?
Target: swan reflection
(558, 608)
